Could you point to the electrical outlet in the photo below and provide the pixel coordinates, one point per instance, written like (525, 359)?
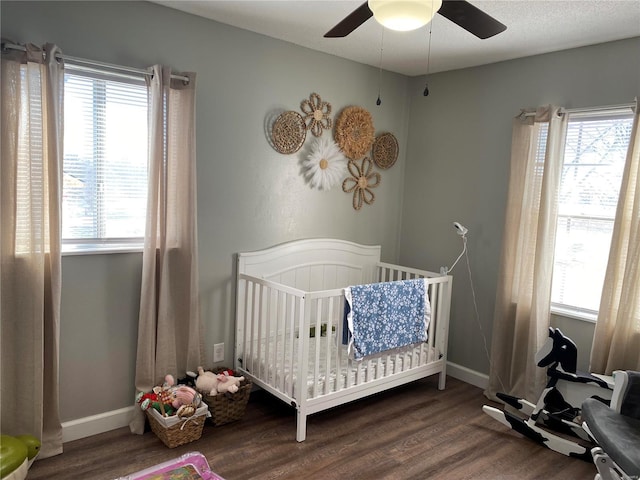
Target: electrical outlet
(218, 352)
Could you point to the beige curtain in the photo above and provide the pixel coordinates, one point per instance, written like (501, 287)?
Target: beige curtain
(616, 343)
(521, 320)
(30, 190)
(169, 328)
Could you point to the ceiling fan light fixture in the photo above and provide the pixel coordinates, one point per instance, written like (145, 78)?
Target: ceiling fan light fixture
(404, 15)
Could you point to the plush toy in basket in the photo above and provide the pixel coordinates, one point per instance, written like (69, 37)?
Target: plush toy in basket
(211, 383)
(226, 394)
(176, 413)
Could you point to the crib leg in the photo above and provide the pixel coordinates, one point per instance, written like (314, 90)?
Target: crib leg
(443, 379)
(301, 432)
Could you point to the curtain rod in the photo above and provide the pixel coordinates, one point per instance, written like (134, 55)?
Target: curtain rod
(139, 71)
(586, 109)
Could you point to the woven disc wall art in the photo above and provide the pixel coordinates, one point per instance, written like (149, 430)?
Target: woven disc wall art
(288, 132)
(385, 150)
(354, 132)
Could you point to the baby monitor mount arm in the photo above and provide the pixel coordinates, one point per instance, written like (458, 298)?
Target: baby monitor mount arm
(462, 231)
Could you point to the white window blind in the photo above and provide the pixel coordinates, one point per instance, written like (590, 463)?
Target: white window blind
(105, 160)
(594, 158)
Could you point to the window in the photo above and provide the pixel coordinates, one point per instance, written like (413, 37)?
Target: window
(105, 162)
(594, 157)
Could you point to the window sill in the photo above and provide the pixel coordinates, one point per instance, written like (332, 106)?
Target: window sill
(100, 249)
(568, 312)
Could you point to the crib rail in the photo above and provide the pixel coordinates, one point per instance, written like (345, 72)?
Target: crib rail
(387, 272)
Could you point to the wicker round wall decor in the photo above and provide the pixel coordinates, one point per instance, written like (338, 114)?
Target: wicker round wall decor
(385, 150)
(354, 132)
(288, 132)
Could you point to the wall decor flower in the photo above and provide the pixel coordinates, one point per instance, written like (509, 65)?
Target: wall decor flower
(316, 114)
(361, 182)
(354, 132)
(325, 164)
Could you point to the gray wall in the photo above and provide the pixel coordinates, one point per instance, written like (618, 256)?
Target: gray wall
(454, 153)
(458, 168)
(249, 196)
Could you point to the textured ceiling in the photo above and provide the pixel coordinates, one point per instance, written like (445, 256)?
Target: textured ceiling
(533, 27)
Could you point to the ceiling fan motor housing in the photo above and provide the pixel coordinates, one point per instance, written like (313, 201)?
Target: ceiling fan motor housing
(404, 15)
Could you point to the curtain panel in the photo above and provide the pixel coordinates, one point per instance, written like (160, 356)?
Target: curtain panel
(30, 189)
(616, 342)
(170, 333)
(523, 299)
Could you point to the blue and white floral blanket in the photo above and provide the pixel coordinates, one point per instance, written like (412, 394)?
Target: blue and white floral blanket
(383, 316)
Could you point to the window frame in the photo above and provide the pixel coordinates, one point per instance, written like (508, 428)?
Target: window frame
(610, 113)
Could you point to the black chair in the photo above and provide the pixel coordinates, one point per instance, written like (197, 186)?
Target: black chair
(616, 429)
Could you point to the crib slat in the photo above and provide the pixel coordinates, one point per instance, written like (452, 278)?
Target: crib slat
(277, 320)
(289, 359)
(251, 329)
(302, 349)
(340, 365)
(261, 335)
(316, 346)
(435, 309)
(268, 333)
(241, 332)
(327, 346)
(281, 335)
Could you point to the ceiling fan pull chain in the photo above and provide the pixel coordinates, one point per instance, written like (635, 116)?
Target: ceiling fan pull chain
(379, 101)
(426, 86)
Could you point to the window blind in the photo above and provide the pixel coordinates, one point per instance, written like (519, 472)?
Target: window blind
(594, 157)
(105, 158)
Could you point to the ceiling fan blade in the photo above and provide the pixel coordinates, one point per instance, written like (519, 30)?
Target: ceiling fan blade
(471, 18)
(351, 22)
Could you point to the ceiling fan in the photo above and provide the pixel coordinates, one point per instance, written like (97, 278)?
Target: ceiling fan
(460, 12)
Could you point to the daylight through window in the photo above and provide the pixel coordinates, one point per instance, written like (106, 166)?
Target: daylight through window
(594, 158)
(105, 161)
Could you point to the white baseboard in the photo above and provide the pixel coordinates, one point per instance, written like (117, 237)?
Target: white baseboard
(480, 380)
(95, 424)
(104, 422)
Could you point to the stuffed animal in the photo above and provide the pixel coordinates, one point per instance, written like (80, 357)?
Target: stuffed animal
(212, 384)
(152, 400)
(183, 395)
(165, 392)
(207, 382)
(228, 383)
(160, 398)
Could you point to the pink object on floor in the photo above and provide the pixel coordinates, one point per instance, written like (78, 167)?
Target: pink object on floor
(190, 466)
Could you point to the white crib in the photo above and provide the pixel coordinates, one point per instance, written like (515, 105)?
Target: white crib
(289, 325)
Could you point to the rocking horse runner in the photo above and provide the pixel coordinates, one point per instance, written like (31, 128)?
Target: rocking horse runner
(558, 408)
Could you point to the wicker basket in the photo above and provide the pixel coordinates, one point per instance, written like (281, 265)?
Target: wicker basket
(228, 407)
(175, 431)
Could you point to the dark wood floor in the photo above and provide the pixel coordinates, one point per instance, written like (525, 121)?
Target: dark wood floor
(411, 432)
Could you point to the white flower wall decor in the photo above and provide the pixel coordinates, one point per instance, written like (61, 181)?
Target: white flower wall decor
(325, 165)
